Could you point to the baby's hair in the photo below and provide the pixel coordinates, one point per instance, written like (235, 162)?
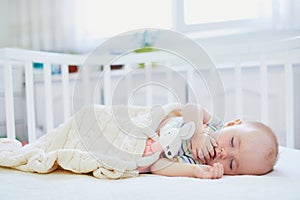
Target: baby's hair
(272, 154)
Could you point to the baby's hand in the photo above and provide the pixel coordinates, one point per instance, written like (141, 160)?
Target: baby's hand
(203, 147)
(206, 171)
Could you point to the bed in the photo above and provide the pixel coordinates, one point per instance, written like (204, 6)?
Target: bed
(282, 183)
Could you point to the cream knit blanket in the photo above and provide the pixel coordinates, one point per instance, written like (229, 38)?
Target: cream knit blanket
(102, 140)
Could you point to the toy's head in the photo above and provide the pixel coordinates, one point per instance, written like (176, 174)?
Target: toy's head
(170, 140)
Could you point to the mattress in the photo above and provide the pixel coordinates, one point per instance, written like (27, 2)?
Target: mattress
(282, 183)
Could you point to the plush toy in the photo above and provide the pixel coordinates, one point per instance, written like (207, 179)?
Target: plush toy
(170, 137)
(169, 142)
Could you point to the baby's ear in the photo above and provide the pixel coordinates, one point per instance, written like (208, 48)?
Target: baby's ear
(234, 122)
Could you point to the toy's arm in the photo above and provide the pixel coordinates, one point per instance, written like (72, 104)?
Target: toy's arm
(168, 168)
(192, 112)
(197, 114)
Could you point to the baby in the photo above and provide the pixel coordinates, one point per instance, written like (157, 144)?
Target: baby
(213, 149)
(238, 147)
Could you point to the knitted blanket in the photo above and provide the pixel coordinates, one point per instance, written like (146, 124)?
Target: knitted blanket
(105, 141)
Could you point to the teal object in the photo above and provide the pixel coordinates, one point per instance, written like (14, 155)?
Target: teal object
(38, 65)
(55, 69)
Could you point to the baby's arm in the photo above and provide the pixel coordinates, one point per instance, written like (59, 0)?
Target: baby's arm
(168, 168)
(202, 143)
(203, 147)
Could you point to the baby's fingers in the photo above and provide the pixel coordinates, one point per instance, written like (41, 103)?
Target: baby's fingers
(195, 154)
(212, 172)
(213, 142)
(205, 157)
(218, 170)
(211, 151)
(204, 171)
(207, 154)
(201, 156)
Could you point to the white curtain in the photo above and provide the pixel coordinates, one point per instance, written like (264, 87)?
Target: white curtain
(71, 25)
(38, 25)
(67, 26)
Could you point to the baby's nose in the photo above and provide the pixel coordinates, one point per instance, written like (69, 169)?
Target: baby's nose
(221, 152)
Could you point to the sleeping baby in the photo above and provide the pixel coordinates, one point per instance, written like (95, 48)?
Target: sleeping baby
(238, 147)
(121, 141)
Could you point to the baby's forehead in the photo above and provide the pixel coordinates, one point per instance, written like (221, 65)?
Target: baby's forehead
(250, 130)
(255, 138)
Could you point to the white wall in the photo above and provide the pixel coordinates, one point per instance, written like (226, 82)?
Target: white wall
(56, 32)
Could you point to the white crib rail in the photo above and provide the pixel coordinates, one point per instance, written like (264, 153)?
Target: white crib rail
(288, 63)
(30, 102)
(28, 57)
(289, 103)
(9, 100)
(264, 90)
(65, 91)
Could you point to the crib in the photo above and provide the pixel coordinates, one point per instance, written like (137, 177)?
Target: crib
(44, 82)
(42, 114)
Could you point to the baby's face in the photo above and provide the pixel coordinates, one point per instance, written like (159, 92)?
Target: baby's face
(241, 150)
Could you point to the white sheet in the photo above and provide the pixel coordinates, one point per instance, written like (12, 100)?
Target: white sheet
(282, 183)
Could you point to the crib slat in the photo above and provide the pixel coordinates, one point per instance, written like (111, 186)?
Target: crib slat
(86, 84)
(168, 73)
(149, 92)
(30, 110)
(264, 91)
(128, 79)
(107, 85)
(9, 101)
(65, 90)
(169, 81)
(238, 89)
(289, 104)
(190, 83)
(48, 96)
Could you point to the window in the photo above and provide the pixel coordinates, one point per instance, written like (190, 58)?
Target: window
(203, 11)
(101, 19)
(216, 15)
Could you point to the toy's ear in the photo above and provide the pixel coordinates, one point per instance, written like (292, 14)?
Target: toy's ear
(187, 130)
(234, 122)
